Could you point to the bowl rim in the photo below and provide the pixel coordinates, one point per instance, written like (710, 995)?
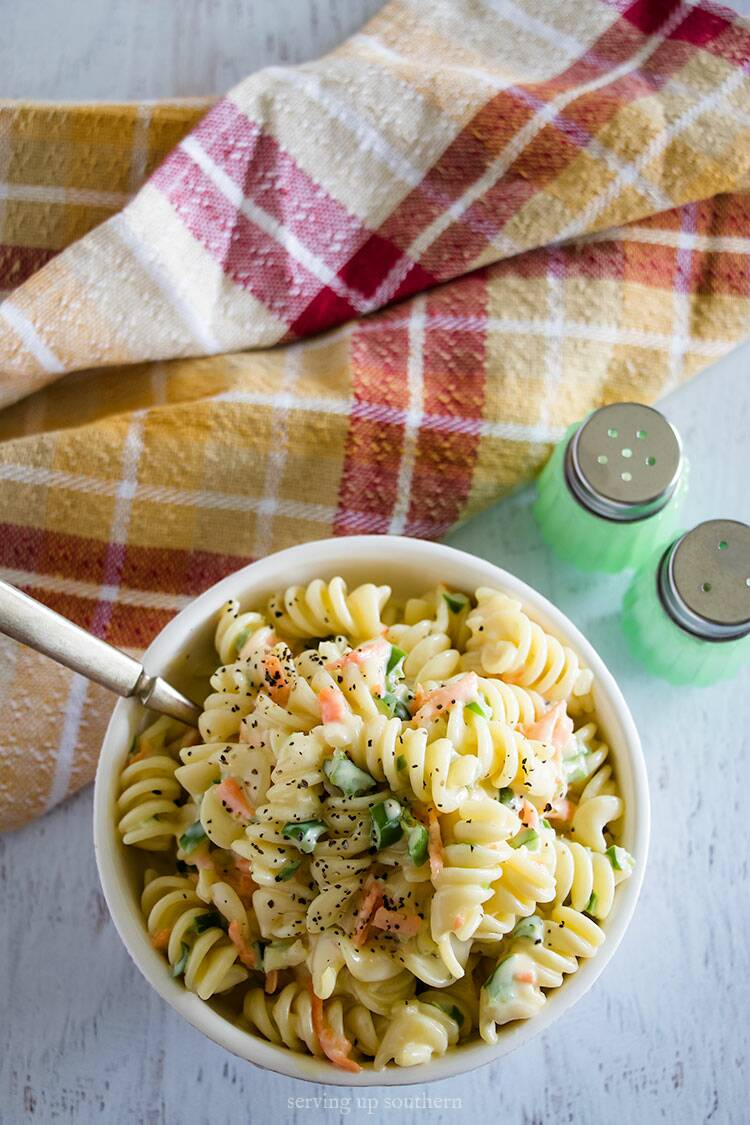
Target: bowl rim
(321, 558)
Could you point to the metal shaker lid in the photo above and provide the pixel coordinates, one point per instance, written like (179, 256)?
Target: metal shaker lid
(704, 580)
(624, 462)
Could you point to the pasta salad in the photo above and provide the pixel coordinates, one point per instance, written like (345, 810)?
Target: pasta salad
(395, 830)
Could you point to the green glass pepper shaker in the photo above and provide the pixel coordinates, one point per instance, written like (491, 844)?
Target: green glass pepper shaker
(686, 614)
(612, 489)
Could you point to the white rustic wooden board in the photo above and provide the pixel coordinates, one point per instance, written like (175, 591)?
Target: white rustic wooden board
(132, 49)
(665, 1035)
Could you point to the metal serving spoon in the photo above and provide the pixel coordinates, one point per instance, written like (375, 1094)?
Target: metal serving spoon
(33, 624)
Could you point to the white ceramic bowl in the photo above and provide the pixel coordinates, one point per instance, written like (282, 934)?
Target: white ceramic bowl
(410, 566)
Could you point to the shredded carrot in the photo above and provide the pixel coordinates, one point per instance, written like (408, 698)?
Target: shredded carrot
(555, 726)
(541, 729)
(242, 882)
(202, 859)
(373, 897)
(160, 940)
(400, 921)
(528, 814)
(332, 704)
(372, 650)
(242, 878)
(420, 695)
(463, 690)
(361, 654)
(245, 952)
(435, 844)
(526, 977)
(231, 793)
(335, 1047)
(562, 809)
(278, 684)
(563, 729)
(272, 981)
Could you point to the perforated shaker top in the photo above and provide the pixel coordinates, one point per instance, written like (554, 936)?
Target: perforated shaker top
(707, 573)
(624, 462)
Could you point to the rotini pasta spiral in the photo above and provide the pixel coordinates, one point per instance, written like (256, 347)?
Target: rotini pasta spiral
(334, 950)
(234, 629)
(472, 864)
(584, 878)
(204, 774)
(149, 815)
(396, 829)
(494, 750)
(377, 748)
(459, 1002)
(506, 642)
(342, 861)
(597, 806)
(296, 779)
(436, 774)
(424, 959)
(446, 609)
(290, 1019)
(338, 879)
(484, 821)
(528, 878)
(286, 1018)
(585, 754)
(264, 664)
(461, 888)
(509, 703)
(407, 760)
(539, 939)
(380, 996)
(285, 889)
(577, 935)
(545, 951)
(225, 708)
(201, 953)
(324, 608)
(207, 764)
(429, 653)
(336, 699)
(416, 1033)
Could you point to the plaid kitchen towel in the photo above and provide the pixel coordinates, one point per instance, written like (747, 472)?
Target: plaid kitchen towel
(467, 226)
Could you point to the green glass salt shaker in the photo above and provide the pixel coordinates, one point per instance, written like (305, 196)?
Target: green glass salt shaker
(686, 614)
(612, 489)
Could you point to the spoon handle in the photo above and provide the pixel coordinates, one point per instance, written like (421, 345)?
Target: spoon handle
(36, 625)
